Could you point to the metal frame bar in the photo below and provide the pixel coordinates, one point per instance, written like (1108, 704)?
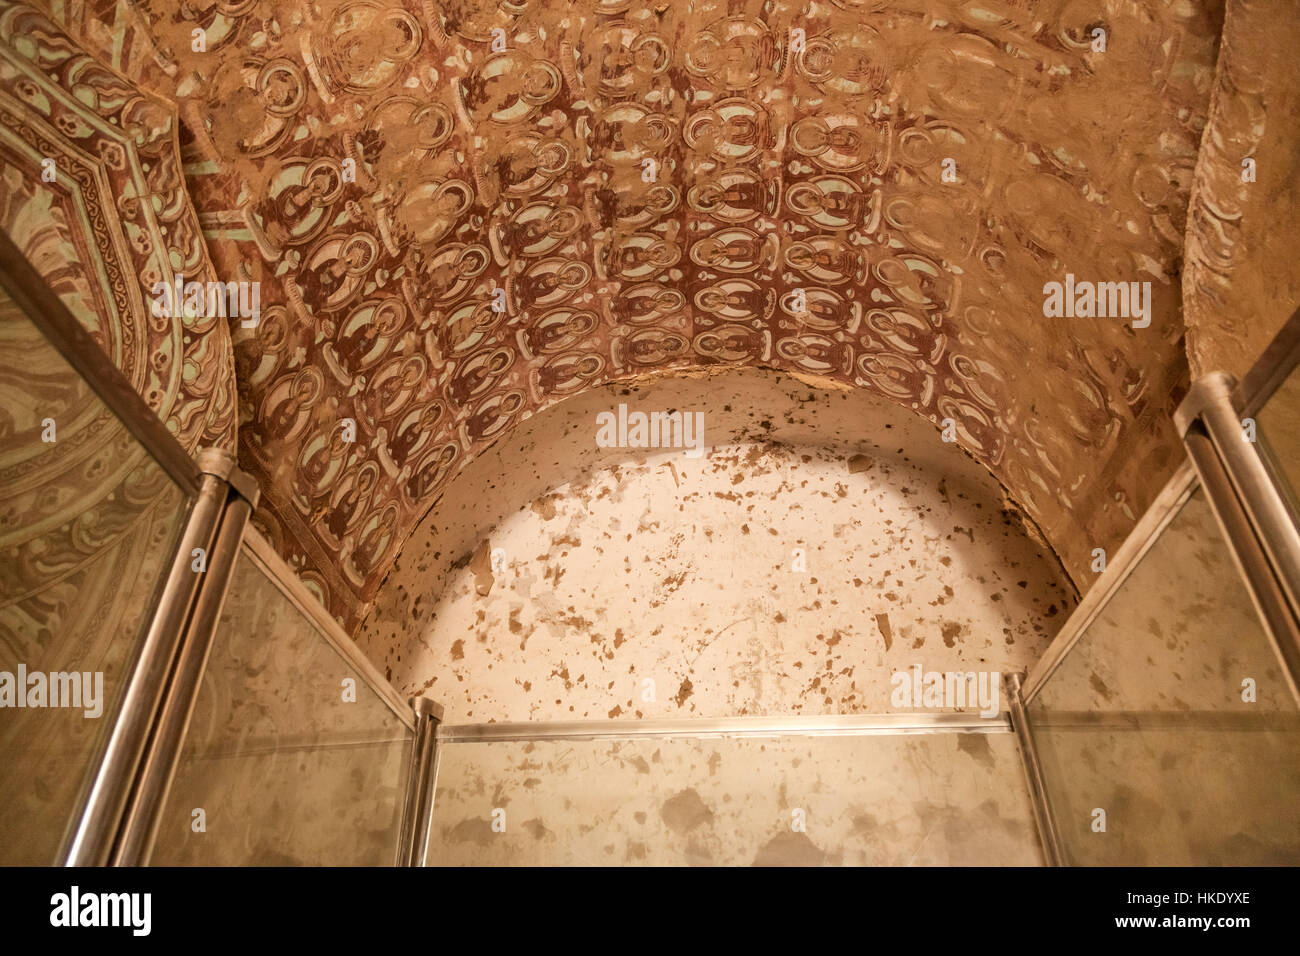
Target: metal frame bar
(1045, 821)
(1220, 721)
(262, 554)
(1141, 539)
(116, 815)
(421, 785)
(1252, 511)
(852, 725)
(1271, 369)
(117, 818)
(149, 796)
(104, 799)
(1256, 514)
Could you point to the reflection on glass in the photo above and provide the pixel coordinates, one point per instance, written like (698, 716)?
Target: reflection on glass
(291, 758)
(88, 523)
(1278, 433)
(1172, 716)
(878, 800)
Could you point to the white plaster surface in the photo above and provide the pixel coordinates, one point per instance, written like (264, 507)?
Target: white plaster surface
(618, 566)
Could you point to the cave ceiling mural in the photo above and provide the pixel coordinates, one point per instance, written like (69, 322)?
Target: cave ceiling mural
(870, 194)
(92, 194)
(1242, 278)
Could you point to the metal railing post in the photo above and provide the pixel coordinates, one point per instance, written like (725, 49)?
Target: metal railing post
(99, 810)
(417, 814)
(136, 761)
(1251, 510)
(1047, 832)
(142, 814)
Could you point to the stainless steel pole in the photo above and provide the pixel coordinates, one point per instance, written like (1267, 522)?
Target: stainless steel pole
(143, 813)
(1047, 832)
(117, 817)
(417, 814)
(99, 811)
(1251, 509)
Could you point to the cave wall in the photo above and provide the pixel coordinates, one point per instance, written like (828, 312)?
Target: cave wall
(777, 165)
(826, 540)
(1242, 279)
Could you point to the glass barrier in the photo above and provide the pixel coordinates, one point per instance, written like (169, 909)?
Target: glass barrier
(291, 758)
(1168, 734)
(88, 525)
(949, 798)
(1279, 436)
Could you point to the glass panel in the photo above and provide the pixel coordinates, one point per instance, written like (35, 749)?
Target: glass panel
(289, 764)
(88, 524)
(879, 800)
(1172, 715)
(1278, 433)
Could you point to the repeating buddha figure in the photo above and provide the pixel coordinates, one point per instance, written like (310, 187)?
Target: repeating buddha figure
(736, 300)
(373, 541)
(514, 168)
(633, 207)
(624, 59)
(415, 430)
(322, 459)
(567, 372)
(286, 409)
(794, 211)
(392, 387)
(549, 282)
(363, 335)
(816, 353)
(509, 88)
(733, 130)
(478, 372)
(829, 201)
(333, 275)
(733, 195)
(733, 250)
(642, 255)
(559, 330)
(654, 347)
(448, 274)
(346, 504)
(839, 141)
(731, 343)
(431, 472)
(538, 229)
(732, 53)
(298, 209)
(364, 47)
(492, 415)
(825, 259)
(643, 304)
(822, 309)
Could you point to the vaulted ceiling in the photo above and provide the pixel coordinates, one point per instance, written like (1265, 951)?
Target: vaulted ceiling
(660, 186)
